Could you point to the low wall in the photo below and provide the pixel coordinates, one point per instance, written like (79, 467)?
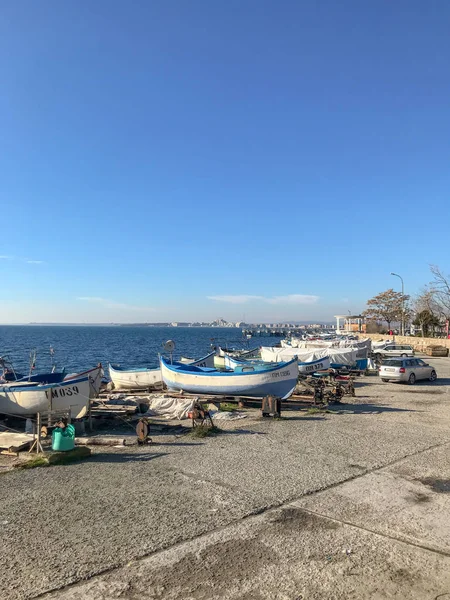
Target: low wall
(418, 343)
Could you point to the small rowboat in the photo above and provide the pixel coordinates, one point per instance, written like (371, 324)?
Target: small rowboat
(129, 379)
(29, 398)
(246, 380)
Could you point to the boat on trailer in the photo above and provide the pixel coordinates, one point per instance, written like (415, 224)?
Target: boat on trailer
(246, 380)
(143, 378)
(28, 398)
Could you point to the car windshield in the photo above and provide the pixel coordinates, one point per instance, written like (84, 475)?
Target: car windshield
(392, 363)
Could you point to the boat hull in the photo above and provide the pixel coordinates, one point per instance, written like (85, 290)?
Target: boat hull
(27, 400)
(135, 379)
(279, 381)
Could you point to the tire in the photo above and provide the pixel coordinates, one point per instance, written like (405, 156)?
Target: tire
(433, 376)
(412, 379)
(385, 380)
(404, 355)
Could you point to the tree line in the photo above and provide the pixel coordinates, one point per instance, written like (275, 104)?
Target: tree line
(428, 311)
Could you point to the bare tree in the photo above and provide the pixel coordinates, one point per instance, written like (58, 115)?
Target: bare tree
(440, 293)
(425, 312)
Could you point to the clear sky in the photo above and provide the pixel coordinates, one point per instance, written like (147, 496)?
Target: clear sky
(180, 160)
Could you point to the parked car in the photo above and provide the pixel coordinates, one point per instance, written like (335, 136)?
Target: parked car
(406, 369)
(394, 350)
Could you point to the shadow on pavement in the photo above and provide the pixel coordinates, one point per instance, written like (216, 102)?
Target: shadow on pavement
(116, 457)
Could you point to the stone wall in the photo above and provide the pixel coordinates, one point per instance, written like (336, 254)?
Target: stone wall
(418, 343)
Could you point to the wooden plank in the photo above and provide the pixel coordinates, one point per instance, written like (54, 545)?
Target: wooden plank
(18, 441)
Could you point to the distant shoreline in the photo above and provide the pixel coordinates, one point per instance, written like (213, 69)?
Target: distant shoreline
(150, 325)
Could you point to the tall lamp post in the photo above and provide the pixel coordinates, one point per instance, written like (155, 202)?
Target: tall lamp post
(403, 302)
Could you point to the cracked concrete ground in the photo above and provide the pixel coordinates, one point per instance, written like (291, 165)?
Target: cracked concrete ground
(348, 504)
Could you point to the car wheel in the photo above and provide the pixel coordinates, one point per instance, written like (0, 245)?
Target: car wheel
(412, 379)
(433, 376)
(404, 355)
(385, 380)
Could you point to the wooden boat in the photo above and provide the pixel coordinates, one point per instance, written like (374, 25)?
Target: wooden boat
(29, 398)
(95, 379)
(253, 381)
(128, 379)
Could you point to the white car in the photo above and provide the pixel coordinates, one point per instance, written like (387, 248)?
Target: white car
(408, 370)
(394, 350)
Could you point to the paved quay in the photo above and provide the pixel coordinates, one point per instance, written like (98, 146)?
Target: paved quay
(352, 503)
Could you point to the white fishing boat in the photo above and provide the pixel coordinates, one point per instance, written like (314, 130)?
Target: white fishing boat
(95, 379)
(321, 364)
(304, 368)
(132, 379)
(28, 398)
(247, 380)
(143, 378)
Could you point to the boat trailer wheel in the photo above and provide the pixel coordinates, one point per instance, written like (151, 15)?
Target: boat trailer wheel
(142, 431)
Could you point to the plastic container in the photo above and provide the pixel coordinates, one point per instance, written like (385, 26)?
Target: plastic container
(63, 439)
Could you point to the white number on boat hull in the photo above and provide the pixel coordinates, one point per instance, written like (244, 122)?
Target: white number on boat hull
(316, 367)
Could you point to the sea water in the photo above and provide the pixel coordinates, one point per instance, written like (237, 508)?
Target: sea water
(78, 348)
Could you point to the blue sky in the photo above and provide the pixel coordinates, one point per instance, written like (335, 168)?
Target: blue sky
(185, 160)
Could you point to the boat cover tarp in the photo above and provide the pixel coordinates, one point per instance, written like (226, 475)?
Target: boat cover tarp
(297, 343)
(169, 407)
(340, 356)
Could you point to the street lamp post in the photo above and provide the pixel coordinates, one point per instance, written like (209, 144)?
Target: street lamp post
(403, 302)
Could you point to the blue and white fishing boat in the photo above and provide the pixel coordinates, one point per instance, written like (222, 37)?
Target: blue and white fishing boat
(246, 380)
(304, 368)
(28, 398)
(321, 364)
(143, 378)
